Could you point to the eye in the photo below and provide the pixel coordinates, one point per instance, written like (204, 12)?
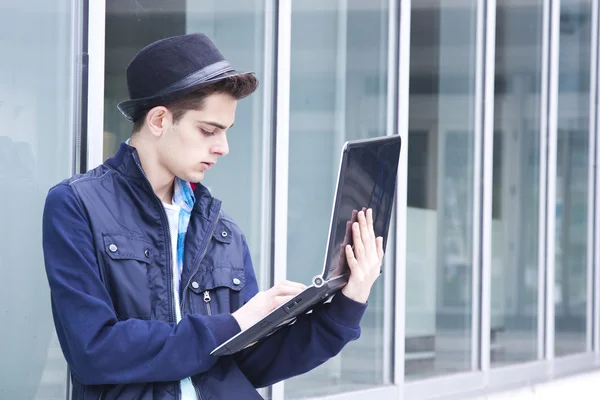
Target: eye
(207, 133)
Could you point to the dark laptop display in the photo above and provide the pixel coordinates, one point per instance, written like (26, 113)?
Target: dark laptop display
(366, 179)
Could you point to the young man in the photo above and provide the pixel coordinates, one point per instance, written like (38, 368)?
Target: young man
(148, 276)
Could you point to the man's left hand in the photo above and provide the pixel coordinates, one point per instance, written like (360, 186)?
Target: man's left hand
(364, 260)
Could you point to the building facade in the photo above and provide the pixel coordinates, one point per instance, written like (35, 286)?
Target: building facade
(492, 276)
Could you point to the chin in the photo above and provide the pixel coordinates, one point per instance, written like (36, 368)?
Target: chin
(196, 177)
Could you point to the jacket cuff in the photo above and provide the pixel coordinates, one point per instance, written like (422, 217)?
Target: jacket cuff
(345, 311)
(223, 327)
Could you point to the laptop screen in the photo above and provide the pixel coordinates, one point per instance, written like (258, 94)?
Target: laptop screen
(367, 180)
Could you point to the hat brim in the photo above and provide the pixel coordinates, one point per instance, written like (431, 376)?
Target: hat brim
(131, 108)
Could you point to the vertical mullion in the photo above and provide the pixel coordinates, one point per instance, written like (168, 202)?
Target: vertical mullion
(541, 313)
(551, 177)
(341, 8)
(596, 162)
(477, 175)
(591, 250)
(268, 140)
(404, 14)
(391, 118)
(284, 38)
(95, 94)
(487, 182)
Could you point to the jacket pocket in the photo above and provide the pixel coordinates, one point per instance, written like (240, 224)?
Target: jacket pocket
(217, 290)
(127, 260)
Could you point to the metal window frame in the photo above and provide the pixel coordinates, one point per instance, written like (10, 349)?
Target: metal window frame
(268, 145)
(283, 37)
(487, 183)
(478, 133)
(390, 311)
(592, 303)
(79, 82)
(552, 138)
(95, 93)
(543, 173)
(482, 212)
(402, 123)
(78, 98)
(593, 171)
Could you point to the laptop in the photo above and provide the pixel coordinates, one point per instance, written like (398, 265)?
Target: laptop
(366, 179)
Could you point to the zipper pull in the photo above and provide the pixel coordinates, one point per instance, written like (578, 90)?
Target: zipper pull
(206, 296)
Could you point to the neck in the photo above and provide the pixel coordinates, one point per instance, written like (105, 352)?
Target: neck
(160, 178)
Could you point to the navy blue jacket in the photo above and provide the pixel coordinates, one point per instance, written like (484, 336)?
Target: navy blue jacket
(108, 260)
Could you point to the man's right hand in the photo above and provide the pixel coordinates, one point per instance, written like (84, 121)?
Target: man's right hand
(265, 302)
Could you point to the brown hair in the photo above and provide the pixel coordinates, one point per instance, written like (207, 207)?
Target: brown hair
(237, 86)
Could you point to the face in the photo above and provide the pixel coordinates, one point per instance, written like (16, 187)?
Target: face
(191, 147)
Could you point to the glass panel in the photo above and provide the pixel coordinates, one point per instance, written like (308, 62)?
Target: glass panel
(440, 188)
(572, 177)
(516, 169)
(237, 29)
(338, 93)
(36, 142)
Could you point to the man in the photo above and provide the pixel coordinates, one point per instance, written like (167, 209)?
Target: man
(148, 276)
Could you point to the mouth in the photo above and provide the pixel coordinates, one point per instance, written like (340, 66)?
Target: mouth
(207, 165)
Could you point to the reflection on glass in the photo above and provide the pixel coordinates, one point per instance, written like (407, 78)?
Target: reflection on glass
(516, 169)
(35, 153)
(237, 29)
(338, 93)
(572, 178)
(440, 188)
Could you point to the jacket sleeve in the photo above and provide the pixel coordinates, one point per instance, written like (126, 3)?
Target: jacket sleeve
(98, 348)
(296, 349)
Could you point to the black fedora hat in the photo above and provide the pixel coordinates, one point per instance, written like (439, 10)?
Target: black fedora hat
(170, 68)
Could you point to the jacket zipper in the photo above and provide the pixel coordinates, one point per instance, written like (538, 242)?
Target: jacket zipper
(183, 292)
(165, 224)
(207, 301)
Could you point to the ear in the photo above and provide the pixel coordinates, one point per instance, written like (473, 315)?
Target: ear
(157, 119)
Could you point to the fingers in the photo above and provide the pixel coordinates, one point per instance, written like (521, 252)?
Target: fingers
(359, 248)
(279, 300)
(370, 223)
(352, 262)
(286, 288)
(379, 245)
(364, 229)
(293, 284)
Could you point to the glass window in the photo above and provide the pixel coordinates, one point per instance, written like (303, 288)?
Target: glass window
(338, 93)
(237, 29)
(516, 182)
(36, 142)
(572, 177)
(439, 261)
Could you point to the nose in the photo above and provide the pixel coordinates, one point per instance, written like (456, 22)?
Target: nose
(221, 148)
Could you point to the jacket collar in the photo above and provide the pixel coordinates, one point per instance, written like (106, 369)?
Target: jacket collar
(127, 162)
